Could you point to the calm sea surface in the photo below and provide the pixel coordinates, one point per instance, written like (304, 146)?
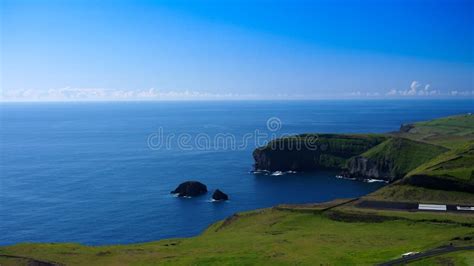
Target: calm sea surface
(85, 172)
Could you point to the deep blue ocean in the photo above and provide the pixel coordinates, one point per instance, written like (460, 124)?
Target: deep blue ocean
(100, 173)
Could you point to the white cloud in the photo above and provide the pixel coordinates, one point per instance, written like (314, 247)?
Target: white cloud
(416, 89)
(372, 94)
(355, 93)
(413, 88)
(414, 85)
(392, 92)
(100, 94)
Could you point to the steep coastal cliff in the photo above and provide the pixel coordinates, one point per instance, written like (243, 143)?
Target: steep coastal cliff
(391, 160)
(433, 154)
(312, 151)
(357, 156)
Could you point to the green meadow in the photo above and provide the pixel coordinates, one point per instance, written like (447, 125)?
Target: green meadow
(277, 237)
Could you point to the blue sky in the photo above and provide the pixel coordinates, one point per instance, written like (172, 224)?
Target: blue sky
(67, 50)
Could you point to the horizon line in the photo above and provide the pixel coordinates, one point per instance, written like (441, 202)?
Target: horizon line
(245, 100)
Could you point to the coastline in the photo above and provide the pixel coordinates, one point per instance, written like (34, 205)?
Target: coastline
(380, 213)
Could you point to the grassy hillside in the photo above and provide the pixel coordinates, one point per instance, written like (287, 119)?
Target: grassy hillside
(406, 154)
(450, 132)
(273, 236)
(448, 177)
(407, 193)
(453, 170)
(457, 164)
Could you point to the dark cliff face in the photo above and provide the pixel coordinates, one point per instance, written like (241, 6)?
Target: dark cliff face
(284, 160)
(302, 153)
(391, 160)
(364, 168)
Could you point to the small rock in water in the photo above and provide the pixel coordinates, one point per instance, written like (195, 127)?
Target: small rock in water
(190, 189)
(219, 195)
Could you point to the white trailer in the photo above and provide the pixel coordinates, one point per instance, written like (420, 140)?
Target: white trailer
(431, 207)
(465, 208)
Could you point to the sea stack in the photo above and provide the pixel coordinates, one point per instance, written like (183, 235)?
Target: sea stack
(190, 189)
(219, 195)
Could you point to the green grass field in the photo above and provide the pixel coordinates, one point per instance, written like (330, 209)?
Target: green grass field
(407, 193)
(451, 132)
(267, 237)
(456, 164)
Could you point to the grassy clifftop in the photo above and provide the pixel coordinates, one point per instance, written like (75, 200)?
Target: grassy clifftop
(450, 132)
